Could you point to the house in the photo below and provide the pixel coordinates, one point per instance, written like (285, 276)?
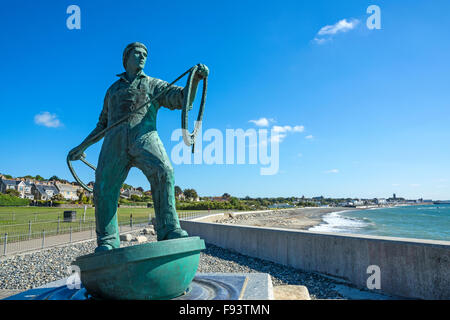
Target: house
(281, 206)
(216, 199)
(44, 191)
(181, 197)
(127, 193)
(21, 186)
(68, 191)
(7, 184)
(27, 190)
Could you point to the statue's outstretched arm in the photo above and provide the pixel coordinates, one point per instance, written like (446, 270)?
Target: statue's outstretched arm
(174, 97)
(102, 123)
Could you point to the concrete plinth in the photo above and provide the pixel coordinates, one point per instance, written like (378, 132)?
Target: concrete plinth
(205, 286)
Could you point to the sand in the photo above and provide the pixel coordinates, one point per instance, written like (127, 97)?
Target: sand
(299, 218)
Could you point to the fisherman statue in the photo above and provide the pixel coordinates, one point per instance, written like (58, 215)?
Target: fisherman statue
(134, 142)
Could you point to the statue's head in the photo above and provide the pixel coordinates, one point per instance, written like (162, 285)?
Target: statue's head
(134, 56)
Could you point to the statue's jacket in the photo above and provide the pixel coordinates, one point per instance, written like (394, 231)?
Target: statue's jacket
(123, 98)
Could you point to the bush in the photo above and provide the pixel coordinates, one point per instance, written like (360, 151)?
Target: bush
(13, 192)
(7, 200)
(212, 205)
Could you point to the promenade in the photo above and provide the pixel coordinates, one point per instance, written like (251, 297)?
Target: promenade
(17, 247)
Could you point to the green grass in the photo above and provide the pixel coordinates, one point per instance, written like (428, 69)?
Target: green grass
(18, 215)
(16, 221)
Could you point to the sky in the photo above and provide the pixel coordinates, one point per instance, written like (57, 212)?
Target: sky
(371, 106)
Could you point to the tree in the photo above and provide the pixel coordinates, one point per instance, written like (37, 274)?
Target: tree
(178, 191)
(234, 201)
(13, 192)
(226, 196)
(135, 198)
(58, 197)
(80, 194)
(190, 194)
(54, 178)
(126, 186)
(39, 178)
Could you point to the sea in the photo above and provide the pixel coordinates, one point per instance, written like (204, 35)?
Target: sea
(420, 222)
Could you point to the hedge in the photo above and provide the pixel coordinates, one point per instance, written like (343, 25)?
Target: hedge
(213, 205)
(7, 200)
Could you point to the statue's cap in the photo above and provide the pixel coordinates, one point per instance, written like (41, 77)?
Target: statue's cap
(128, 48)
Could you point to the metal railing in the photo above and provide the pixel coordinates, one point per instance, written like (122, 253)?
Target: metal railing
(45, 234)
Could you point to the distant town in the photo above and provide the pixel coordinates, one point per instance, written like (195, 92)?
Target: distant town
(35, 190)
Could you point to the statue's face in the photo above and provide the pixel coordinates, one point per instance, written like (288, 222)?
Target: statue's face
(136, 59)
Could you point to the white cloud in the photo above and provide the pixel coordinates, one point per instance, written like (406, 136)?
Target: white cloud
(280, 132)
(278, 137)
(47, 119)
(282, 129)
(300, 155)
(396, 185)
(326, 33)
(332, 171)
(309, 137)
(262, 122)
(341, 26)
(288, 129)
(321, 40)
(415, 185)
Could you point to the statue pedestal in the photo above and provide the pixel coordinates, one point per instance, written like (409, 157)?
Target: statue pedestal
(159, 270)
(205, 286)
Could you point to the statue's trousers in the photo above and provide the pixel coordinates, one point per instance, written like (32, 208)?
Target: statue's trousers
(120, 152)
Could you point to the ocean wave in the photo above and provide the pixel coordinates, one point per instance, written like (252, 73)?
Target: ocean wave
(334, 222)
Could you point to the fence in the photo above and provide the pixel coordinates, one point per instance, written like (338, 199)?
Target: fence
(45, 234)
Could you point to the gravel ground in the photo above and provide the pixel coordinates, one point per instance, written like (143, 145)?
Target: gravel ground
(34, 269)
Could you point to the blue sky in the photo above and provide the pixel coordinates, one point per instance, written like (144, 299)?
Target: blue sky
(375, 102)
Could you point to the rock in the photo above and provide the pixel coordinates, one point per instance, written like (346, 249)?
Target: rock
(291, 292)
(126, 237)
(140, 239)
(149, 230)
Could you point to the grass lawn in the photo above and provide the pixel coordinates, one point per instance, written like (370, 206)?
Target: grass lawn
(17, 220)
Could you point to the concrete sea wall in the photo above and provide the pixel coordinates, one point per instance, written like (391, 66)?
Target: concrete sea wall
(410, 268)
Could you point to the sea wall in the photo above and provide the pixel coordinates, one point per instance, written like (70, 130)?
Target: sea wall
(409, 268)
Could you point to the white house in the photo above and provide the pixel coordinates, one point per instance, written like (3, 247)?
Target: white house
(23, 187)
(68, 191)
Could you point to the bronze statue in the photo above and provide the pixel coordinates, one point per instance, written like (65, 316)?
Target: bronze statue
(135, 143)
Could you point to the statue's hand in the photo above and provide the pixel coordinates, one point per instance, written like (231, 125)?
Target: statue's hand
(202, 71)
(76, 153)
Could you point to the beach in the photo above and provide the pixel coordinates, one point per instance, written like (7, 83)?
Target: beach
(298, 218)
(408, 221)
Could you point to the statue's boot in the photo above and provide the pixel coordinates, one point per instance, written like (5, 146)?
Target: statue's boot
(102, 248)
(175, 234)
(167, 231)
